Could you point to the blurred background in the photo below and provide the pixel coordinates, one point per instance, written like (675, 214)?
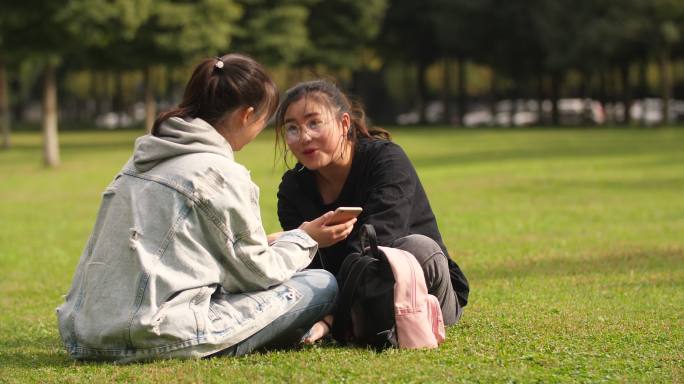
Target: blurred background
(114, 64)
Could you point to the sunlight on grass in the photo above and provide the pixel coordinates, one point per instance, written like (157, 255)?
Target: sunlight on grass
(572, 241)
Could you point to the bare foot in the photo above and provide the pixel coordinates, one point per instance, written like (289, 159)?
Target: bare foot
(318, 330)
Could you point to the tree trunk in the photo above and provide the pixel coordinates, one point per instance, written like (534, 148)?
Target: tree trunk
(514, 102)
(422, 92)
(4, 107)
(462, 92)
(643, 90)
(369, 85)
(407, 84)
(585, 81)
(603, 94)
(119, 99)
(626, 93)
(150, 103)
(493, 90)
(50, 139)
(665, 86)
(555, 96)
(446, 91)
(95, 91)
(169, 88)
(612, 90)
(643, 79)
(541, 119)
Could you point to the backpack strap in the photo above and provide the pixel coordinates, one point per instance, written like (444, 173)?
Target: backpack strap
(369, 240)
(342, 321)
(369, 243)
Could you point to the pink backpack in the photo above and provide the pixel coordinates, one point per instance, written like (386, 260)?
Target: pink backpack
(383, 300)
(417, 314)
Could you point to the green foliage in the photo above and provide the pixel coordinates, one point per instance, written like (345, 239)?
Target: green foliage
(340, 29)
(571, 240)
(32, 28)
(274, 32)
(454, 23)
(409, 32)
(134, 34)
(104, 22)
(309, 32)
(186, 28)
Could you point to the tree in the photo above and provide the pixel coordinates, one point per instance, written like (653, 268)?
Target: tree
(4, 107)
(143, 34)
(4, 89)
(408, 35)
(558, 25)
(667, 18)
(33, 28)
(340, 30)
(612, 37)
(460, 28)
(178, 32)
(275, 32)
(337, 35)
(109, 30)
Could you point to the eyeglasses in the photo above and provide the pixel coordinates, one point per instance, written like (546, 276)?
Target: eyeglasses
(294, 132)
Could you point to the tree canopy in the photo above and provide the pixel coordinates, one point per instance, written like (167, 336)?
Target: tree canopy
(527, 46)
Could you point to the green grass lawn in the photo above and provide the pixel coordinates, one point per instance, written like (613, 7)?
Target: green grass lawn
(573, 241)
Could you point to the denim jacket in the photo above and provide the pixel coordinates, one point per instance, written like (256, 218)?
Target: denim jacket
(178, 264)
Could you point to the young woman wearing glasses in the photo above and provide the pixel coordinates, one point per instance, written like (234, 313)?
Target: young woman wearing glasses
(343, 162)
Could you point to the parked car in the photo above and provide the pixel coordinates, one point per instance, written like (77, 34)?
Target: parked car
(113, 120)
(650, 111)
(572, 111)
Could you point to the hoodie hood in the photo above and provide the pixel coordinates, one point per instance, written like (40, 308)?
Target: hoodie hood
(178, 137)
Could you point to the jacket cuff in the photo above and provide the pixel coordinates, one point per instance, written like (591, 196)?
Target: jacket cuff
(301, 238)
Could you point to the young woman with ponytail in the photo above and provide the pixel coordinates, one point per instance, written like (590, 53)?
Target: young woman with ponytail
(178, 264)
(341, 161)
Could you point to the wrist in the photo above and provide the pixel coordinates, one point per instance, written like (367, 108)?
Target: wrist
(271, 238)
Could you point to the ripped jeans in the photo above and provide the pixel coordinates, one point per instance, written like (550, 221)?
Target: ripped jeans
(319, 289)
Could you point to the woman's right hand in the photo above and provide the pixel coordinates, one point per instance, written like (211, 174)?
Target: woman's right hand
(327, 235)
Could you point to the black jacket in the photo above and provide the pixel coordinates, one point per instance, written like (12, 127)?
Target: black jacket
(384, 183)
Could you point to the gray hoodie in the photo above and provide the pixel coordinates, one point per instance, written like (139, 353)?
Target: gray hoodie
(178, 263)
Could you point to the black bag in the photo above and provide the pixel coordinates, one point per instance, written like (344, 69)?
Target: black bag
(365, 307)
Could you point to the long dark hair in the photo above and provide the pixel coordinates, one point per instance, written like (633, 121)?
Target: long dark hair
(219, 85)
(328, 93)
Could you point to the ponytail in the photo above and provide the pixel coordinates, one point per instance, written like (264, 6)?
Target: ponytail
(360, 126)
(220, 85)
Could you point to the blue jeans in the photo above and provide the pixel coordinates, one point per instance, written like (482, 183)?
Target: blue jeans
(319, 290)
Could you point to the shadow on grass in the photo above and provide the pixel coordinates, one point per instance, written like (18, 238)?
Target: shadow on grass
(639, 261)
(21, 353)
(34, 359)
(30, 351)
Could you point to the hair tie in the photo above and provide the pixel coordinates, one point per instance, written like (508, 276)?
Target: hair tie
(219, 63)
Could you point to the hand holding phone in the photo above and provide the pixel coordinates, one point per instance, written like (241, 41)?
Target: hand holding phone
(343, 214)
(331, 227)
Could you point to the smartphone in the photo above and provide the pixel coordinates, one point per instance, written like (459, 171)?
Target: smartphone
(343, 214)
